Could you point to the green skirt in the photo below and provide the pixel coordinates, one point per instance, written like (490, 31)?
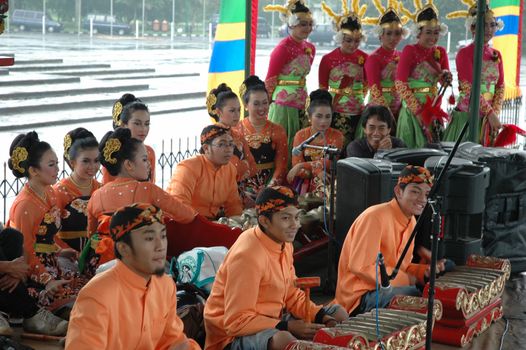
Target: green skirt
(409, 130)
(458, 119)
(291, 119)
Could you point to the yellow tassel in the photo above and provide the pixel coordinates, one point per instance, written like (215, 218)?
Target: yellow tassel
(379, 7)
(457, 14)
(418, 4)
(361, 13)
(370, 21)
(277, 8)
(345, 9)
(329, 11)
(355, 6)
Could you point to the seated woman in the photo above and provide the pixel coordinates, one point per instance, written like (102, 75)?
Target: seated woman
(207, 182)
(377, 123)
(131, 113)
(223, 105)
(81, 153)
(36, 214)
(267, 140)
(125, 158)
(309, 165)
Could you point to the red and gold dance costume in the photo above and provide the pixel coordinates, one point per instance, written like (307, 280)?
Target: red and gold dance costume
(290, 63)
(345, 78)
(314, 166)
(119, 193)
(343, 74)
(491, 88)
(417, 76)
(39, 220)
(270, 151)
(380, 67)
(107, 177)
(243, 159)
(75, 215)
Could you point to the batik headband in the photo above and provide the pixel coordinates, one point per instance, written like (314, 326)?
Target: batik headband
(210, 132)
(416, 175)
(133, 217)
(274, 199)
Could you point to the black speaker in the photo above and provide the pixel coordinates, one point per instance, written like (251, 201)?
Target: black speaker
(412, 156)
(362, 182)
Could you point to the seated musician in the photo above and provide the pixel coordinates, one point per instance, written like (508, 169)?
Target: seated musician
(255, 284)
(309, 170)
(207, 182)
(377, 123)
(133, 305)
(384, 228)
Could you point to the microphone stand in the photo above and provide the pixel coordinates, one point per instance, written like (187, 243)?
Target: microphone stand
(434, 242)
(332, 153)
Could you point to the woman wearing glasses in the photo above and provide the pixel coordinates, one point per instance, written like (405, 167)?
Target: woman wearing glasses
(342, 71)
(290, 62)
(207, 182)
(492, 80)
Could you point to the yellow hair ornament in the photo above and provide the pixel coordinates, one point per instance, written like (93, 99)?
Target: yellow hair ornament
(276, 8)
(112, 145)
(19, 155)
(458, 14)
(67, 144)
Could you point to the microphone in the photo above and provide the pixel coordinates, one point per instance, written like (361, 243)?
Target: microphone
(296, 151)
(384, 278)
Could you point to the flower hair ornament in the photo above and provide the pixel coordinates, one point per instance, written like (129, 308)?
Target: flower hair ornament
(349, 21)
(471, 14)
(292, 12)
(116, 113)
(424, 15)
(389, 18)
(19, 155)
(112, 145)
(211, 101)
(67, 145)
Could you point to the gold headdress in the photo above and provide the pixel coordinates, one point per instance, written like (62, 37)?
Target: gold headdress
(112, 145)
(348, 21)
(67, 144)
(211, 100)
(471, 13)
(292, 12)
(116, 113)
(19, 155)
(389, 15)
(424, 15)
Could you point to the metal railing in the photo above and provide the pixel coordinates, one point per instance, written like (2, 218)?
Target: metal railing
(172, 152)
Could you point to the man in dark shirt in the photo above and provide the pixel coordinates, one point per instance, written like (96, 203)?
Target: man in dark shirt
(377, 125)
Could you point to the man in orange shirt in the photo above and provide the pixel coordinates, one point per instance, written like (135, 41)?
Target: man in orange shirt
(255, 285)
(384, 228)
(207, 182)
(133, 305)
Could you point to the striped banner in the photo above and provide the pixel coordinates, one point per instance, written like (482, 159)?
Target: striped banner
(228, 61)
(509, 41)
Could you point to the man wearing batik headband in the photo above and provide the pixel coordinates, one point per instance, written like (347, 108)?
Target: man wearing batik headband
(491, 79)
(290, 62)
(207, 181)
(384, 228)
(381, 65)
(255, 283)
(422, 66)
(133, 305)
(341, 71)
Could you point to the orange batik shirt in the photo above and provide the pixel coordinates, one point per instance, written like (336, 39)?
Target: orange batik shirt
(118, 309)
(313, 162)
(210, 190)
(252, 289)
(381, 228)
(125, 191)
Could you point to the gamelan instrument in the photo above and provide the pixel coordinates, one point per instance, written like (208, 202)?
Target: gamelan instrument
(402, 326)
(471, 299)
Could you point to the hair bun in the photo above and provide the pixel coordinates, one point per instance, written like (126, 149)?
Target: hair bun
(320, 95)
(252, 81)
(21, 152)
